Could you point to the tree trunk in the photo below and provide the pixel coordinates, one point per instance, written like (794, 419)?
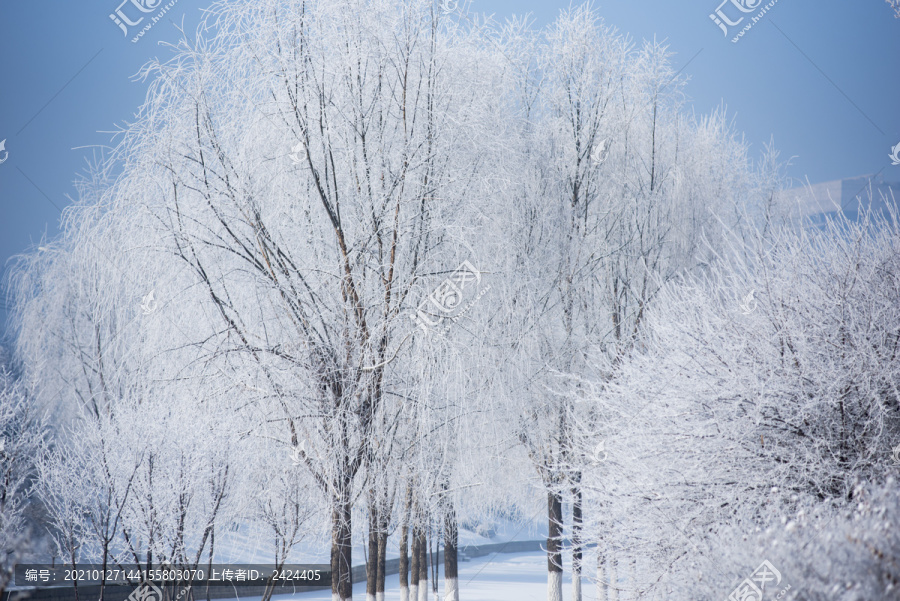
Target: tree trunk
(212, 548)
(554, 547)
(423, 566)
(576, 539)
(404, 546)
(414, 571)
(341, 546)
(74, 568)
(451, 565)
(434, 567)
(404, 559)
(372, 559)
(382, 558)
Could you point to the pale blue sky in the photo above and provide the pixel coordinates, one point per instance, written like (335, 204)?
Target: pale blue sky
(823, 78)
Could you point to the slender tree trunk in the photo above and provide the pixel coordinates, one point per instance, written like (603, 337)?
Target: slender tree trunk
(451, 565)
(435, 541)
(577, 552)
(423, 566)
(103, 573)
(341, 546)
(414, 568)
(404, 559)
(382, 558)
(74, 567)
(554, 547)
(212, 548)
(372, 563)
(404, 545)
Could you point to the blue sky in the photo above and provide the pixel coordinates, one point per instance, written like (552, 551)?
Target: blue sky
(823, 78)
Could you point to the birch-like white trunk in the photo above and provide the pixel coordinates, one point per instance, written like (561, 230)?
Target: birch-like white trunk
(554, 586)
(451, 592)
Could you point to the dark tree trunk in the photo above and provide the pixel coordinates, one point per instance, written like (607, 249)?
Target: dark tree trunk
(415, 567)
(434, 566)
(212, 548)
(423, 566)
(382, 558)
(341, 546)
(404, 560)
(554, 539)
(372, 559)
(404, 545)
(75, 580)
(451, 566)
(554, 547)
(576, 539)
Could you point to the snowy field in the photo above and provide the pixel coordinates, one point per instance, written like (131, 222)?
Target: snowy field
(503, 577)
(247, 544)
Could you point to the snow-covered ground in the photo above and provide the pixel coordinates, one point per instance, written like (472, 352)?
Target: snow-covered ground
(502, 577)
(244, 544)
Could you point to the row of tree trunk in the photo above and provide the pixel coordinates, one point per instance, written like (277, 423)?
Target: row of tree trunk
(414, 562)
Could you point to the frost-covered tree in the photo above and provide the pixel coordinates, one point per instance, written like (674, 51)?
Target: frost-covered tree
(617, 189)
(250, 319)
(22, 429)
(303, 161)
(128, 395)
(770, 379)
